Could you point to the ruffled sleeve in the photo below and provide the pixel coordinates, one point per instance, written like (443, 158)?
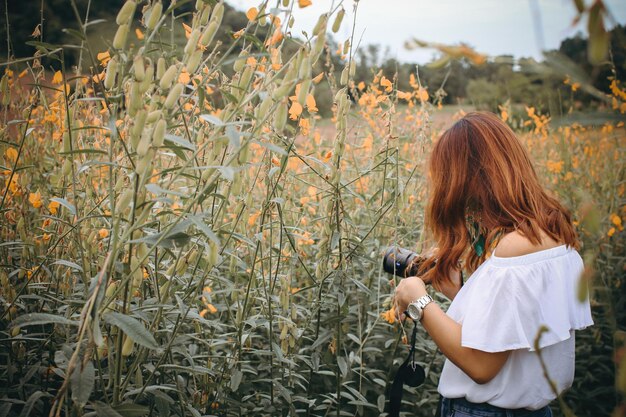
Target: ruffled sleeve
(508, 300)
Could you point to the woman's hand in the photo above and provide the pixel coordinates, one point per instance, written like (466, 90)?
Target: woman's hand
(408, 290)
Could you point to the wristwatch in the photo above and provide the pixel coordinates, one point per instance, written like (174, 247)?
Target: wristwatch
(415, 310)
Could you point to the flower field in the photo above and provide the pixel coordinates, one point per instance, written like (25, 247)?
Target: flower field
(182, 234)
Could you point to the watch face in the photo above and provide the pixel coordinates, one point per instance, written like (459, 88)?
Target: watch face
(414, 311)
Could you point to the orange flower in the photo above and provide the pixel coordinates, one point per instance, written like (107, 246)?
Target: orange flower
(311, 105)
(389, 316)
(384, 82)
(103, 233)
(11, 155)
(139, 34)
(252, 13)
(304, 3)
(295, 110)
(104, 57)
(35, 199)
(305, 126)
(53, 207)
(58, 78)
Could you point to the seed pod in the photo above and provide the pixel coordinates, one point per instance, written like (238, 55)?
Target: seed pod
(244, 81)
(280, 118)
(126, 12)
(111, 289)
(209, 33)
(139, 123)
(338, 19)
(147, 80)
(144, 165)
(168, 77)
(264, 108)
(5, 91)
(304, 91)
(128, 346)
(262, 19)
(120, 36)
(173, 96)
(144, 145)
(120, 183)
(344, 76)
(346, 46)
(181, 266)
(158, 134)
(160, 68)
(138, 68)
(142, 251)
(153, 116)
(192, 42)
(213, 253)
(135, 99)
(218, 13)
(194, 61)
(154, 15)
(124, 201)
(282, 91)
(109, 78)
(67, 145)
(240, 62)
(67, 167)
(304, 71)
(352, 68)
(206, 13)
(320, 26)
(285, 3)
(318, 47)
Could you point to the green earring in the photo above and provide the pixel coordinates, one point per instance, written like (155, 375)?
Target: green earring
(476, 235)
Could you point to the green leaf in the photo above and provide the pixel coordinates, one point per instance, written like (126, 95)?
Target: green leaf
(69, 264)
(104, 410)
(156, 189)
(211, 119)
(30, 403)
(82, 382)
(235, 379)
(33, 319)
(198, 221)
(65, 204)
(133, 328)
(131, 410)
(177, 140)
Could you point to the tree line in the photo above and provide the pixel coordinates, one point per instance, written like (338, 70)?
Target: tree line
(499, 80)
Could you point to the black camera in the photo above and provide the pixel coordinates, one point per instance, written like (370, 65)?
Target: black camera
(401, 262)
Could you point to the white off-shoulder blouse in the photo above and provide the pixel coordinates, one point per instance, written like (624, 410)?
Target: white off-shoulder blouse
(501, 307)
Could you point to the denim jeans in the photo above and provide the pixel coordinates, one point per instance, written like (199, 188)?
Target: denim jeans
(460, 407)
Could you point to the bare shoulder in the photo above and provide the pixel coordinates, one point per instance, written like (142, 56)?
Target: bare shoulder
(516, 244)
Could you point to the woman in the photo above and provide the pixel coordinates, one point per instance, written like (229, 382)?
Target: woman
(489, 214)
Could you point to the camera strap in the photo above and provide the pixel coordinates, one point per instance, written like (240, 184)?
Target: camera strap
(409, 373)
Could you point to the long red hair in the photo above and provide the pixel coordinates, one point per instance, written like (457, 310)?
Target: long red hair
(479, 164)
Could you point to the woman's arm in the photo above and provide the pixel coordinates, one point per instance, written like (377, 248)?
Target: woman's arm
(481, 366)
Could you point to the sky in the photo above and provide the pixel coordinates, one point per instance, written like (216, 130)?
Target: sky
(493, 27)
